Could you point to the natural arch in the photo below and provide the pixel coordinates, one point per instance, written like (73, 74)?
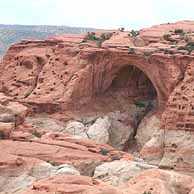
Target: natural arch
(128, 85)
(134, 83)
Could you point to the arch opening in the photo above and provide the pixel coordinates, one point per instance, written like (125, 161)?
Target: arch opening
(134, 85)
(131, 86)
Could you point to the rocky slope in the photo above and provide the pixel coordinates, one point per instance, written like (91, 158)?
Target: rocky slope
(104, 112)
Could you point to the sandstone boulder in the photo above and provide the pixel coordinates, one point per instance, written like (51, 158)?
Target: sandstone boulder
(7, 118)
(146, 129)
(5, 129)
(71, 184)
(160, 182)
(99, 130)
(83, 154)
(46, 124)
(18, 173)
(121, 131)
(76, 128)
(153, 150)
(119, 171)
(19, 110)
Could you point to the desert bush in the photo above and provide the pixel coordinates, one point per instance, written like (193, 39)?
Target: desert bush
(36, 134)
(131, 50)
(133, 33)
(122, 29)
(26, 94)
(104, 151)
(168, 52)
(147, 53)
(102, 38)
(90, 36)
(147, 192)
(178, 31)
(189, 47)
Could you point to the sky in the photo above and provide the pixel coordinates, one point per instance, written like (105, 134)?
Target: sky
(104, 14)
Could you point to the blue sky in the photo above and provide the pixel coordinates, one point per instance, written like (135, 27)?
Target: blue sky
(131, 14)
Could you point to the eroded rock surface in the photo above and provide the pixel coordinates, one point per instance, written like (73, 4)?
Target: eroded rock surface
(133, 91)
(72, 184)
(119, 172)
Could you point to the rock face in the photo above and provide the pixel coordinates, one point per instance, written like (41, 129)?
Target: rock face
(160, 182)
(71, 184)
(119, 171)
(99, 131)
(149, 181)
(11, 115)
(146, 129)
(131, 90)
(24, 162)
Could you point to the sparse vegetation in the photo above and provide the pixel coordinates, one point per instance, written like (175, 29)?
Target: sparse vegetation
(26, 94)
(131, 50)
(189, 47)
(91, 36)
(170, 52)
(147, 192)
(133, 33)
(179, 31)
(104, 151)
(122, 29)
(36, 134)
(140, 104)
(147, 54)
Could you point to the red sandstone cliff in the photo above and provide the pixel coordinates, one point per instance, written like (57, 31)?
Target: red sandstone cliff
(69, 76)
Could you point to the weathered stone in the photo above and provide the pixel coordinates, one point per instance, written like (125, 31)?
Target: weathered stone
(119, 171)
(120, 132)
(7, 118)
(99, 130)
(19, 110)
(76, 128)
(71, 184)
(160, 182)
(5, 129)
(47, 124)
(146, 129)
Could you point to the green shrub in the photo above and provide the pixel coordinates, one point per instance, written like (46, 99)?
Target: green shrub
(102, 38)
(122, 29)
(133, 33)
(104, 151)
(178, 31)
(90, 36)
(36, 134)
(131, 50)
(140, 104)
(168, 52)
(189, 47)
(99, 40)
(147, 192)
(26, 94)
(147, 53)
